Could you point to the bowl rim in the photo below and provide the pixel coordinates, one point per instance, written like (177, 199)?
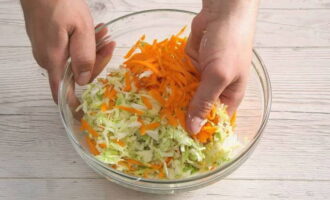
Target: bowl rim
(249, 147)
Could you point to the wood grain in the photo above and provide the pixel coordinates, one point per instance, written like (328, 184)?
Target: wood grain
(300, 80)
(291, 162)
(86, 189)
(301, 91)
(275, 28)
(289, 149)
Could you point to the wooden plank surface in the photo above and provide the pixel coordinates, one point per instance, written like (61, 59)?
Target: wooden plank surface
(289, 149)
(276, 28)
(131, 5)
(300, 78)
(300, 94)
(100, 189)
(291, 162)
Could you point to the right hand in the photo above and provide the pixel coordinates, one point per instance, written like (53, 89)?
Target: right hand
(59, 29)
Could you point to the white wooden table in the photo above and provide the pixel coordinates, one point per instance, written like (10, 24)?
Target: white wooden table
(292, 160)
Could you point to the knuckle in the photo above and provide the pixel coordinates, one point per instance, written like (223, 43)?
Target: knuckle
(82, 25)
(224, 76)
(84, 64)
(201, 106)
(220, 76)
(42, 58)
(237, 97)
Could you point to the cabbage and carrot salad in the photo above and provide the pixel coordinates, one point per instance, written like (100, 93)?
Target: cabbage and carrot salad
(134, 118)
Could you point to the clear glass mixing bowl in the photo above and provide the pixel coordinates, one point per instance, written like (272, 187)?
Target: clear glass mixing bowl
(251, 119)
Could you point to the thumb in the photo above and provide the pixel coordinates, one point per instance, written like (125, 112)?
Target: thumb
(207, 94)
(82, 52)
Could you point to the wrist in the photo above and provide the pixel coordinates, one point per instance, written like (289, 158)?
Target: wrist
(224, 9)
(28, 4)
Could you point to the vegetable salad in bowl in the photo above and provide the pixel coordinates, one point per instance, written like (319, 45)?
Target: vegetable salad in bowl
(134, 118)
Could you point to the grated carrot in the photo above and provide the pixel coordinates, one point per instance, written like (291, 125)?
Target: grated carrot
(173, 82)
(103, 145)
(92, 146)
(128, 85)
(110, 93)
(156, 95)
(168, 160)
(86, 127)
(146, 127)
(134, 162)
(146, 102)
(171, 120)
(161, 174)
(104, 107)
(103, 80)
(126, 164)
(156, 166)
(121, 143)
(152, 126)
(206, 133)
(131, 110)
(142, 129)
(233, 120)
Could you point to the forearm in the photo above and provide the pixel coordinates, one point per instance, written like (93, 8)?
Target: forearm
(233, 16)
(230, 8)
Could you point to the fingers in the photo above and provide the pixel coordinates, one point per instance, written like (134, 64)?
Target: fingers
(233, 94)
(212, 84)
(104, 50)
(195, 37)
(55, 75)
(82, 52)
(51, 54)
(103, 56)
(100, 33)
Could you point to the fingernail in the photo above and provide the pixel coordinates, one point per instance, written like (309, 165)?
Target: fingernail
(84, 77)
(196, 124)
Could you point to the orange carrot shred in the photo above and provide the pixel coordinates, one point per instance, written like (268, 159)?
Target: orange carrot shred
(134, 162)
(91, 145)
(121, 143)
(156, 166)
(171, 120)
(156, 95)
(146, 64)
(128, 85)
(102, 80)
(233, 120)
(181, 31)
(152, 126)
(131, 110)
(168, 160)
(161, 174)
(86, 127)
(103, 145)
(146, 102)
(110, 93)
(104, 107)
(146, 127)
(142, 129)
(172, 84)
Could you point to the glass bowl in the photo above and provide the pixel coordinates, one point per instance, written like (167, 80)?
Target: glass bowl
(252, 115)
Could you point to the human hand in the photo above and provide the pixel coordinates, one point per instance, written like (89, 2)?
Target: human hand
(61, 29)
(220, 46)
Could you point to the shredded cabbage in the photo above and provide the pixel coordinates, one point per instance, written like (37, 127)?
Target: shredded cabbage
(164, 152)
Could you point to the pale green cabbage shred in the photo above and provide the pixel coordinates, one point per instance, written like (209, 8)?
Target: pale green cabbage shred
(190, 157)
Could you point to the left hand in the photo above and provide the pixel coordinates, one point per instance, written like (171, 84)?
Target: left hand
(220, 46)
